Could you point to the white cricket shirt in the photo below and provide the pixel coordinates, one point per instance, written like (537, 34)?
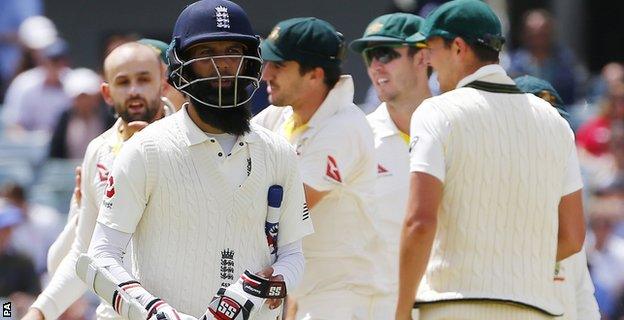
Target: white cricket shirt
(192, 231)
(65, 287)
(392, 185)
(336, 154)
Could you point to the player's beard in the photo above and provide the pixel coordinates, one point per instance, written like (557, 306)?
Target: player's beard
(151, 109)
(232, 120)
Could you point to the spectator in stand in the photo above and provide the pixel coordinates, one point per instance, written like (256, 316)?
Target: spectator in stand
(86, 119)
(541, 56)
(593, 136)
(17, 273)
(35, 99)
(12, 14)
(606, 252)
(40, 226)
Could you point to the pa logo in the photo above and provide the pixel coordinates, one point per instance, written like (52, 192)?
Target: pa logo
(6, 310)
(413, 143)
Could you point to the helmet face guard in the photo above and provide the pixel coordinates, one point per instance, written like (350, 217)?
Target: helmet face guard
(209, 90)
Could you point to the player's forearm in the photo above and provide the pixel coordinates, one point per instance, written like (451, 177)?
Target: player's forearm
(290, 264)
(62, 291)
(416, 241)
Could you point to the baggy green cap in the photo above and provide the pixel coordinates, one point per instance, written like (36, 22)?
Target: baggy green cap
(391, 28)
(159, 46)
(472, 20)
(309, 40)
(542, 89)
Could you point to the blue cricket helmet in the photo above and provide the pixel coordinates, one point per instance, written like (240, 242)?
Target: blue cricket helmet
(208, 21)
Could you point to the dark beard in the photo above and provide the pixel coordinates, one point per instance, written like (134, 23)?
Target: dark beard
(150, 112)
(229, 120)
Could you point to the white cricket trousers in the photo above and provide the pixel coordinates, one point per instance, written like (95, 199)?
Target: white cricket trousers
(471, 310)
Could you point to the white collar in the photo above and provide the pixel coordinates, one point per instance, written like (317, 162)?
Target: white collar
(488, 73)
(384, 126)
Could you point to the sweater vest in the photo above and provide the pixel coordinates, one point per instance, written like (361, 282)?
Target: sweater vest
(496, 239)
(196, 233)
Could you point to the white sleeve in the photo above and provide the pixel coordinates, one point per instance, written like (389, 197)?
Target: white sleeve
(295, 222)
(290, 263)
(126, 194)
(65, 287)
(429, 130)
(110, 243)
(63, 243)
(573, 181)
(587, 306)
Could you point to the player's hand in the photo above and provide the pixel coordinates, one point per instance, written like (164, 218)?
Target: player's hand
(167, 312)
(33, 314)
(77, 193)
(268, 273)
(132, 128)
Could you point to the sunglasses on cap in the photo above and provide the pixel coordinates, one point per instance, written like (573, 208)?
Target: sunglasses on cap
(383, 53)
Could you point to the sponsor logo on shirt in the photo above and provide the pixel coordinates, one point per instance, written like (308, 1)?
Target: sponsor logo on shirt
(332, 172)
(102, 172)
(558, 275)
(413, 143)
(382, 171)
(110, 188)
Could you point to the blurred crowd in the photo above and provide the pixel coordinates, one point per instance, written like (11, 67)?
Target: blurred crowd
(50, 110)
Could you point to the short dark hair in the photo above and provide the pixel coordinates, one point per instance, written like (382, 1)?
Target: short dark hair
(332, 73)
(483, 53)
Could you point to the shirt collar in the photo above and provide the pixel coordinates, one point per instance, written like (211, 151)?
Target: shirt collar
(114, 139)
(382, 123)
(194, 135)
(489, 73)
(339, 96)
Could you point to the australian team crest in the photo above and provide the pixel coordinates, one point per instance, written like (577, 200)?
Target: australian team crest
(223, 17)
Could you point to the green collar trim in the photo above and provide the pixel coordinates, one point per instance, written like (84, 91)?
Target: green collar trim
(494, 87)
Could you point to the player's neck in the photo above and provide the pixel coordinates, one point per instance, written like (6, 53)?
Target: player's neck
(401, 109)
(307, 105)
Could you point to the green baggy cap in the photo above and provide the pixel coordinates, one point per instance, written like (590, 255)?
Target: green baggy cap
(472, 20)
(542, 89)
(158, 46)
(392, 28)
(309, 40)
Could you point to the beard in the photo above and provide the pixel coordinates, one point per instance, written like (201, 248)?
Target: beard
(151, 109)
(233, 120)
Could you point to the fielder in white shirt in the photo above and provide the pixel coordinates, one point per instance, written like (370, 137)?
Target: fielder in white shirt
(190, 191)
(313, 108)
(132, 87)
(398, 72)
(495, 189)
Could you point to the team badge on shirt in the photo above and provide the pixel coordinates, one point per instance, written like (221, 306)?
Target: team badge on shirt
(382, 171)
(332, 172)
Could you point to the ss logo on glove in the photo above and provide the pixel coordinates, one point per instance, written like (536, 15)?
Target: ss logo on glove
(228, 307)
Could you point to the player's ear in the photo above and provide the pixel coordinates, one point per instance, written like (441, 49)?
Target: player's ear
(105, 90)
